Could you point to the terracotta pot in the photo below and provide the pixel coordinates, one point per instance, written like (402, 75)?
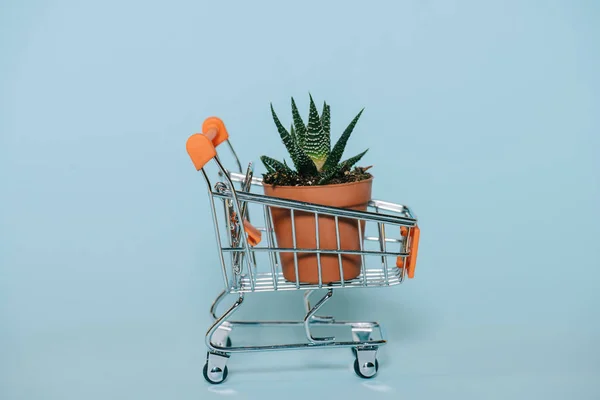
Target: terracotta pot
(355, 195)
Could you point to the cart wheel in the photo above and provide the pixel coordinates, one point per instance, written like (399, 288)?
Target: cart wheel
(368, 371)
(216, 376)
(228, 342)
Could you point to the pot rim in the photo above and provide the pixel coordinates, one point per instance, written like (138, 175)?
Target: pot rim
(315, 187)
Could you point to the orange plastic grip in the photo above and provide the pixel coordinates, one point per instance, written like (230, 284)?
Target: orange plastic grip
(200, 149)
(215, 129)
(411, 260)
(414, 249)
(254, 235)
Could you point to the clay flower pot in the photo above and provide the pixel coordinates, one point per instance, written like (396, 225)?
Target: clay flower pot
(354, 195)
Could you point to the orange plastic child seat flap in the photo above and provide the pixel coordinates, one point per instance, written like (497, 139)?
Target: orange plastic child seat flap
(214, 123)
(200, 150)
(411, 260)
(254, 235)
(414, 250)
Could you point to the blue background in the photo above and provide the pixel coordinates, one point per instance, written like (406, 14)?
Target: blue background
(482, 116)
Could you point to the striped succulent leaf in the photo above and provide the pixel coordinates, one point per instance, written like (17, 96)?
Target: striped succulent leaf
(317, 143)
(293, 134)
(299, 124)
(273, 165)
(270, 169)
(326, 118)
(349, 163)
(302, 162)
(338, 150)
(329, 174)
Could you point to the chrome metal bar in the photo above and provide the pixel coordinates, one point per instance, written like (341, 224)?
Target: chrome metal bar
(372, 325)
(389, 240)
(233, 229)
(307, 308)
(245, 186)
(236, 205)
(387, 206)
(230, 235)
(237, 160)
(271, 244)
(315, 251)
(215, 304)
(218, 323)
(292, 214)
(306, 296)
(374, 277)
(384, 205)
(372, 281)
(362, 256)
(337, 238)
(217, 231)
(326, 210)
(302, 346)
(310, 314)
(239, 177)
(383, 249)
(318, 247)
(271, 233)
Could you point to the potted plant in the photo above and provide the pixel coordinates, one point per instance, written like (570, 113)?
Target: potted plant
(318, 176)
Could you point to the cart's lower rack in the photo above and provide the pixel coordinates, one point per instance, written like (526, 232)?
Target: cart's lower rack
(366, 338)
(369, 332)
(265, 282)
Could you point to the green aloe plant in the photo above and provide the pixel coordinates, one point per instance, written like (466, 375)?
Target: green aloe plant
(309, 146)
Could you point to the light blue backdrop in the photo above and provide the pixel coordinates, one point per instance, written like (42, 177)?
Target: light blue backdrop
(484, 116)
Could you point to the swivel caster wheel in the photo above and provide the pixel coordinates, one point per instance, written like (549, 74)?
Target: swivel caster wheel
(215, 370)
(368, 370)
(216, 375)
(365, 363)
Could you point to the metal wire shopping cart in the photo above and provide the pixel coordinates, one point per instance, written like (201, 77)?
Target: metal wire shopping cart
(388, 237)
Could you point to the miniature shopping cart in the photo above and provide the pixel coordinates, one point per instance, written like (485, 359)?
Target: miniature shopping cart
(251, 259)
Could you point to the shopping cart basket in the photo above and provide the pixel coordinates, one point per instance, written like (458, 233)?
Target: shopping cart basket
(251, 259)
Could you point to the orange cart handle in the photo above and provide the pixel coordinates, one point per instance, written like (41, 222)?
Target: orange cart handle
(201, 149)
(201, 146)
(214, 128)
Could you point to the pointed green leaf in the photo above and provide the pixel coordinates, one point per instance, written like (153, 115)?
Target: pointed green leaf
(293, 134)
(349, 163)
(299, 125)
(283, 133)
(329, 174)
(338, 150)
(317, 142)
(304, 165)
(267, 165)
(326, 118)
(273, 165)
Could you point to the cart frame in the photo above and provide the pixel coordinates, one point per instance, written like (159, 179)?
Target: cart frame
(237, 237)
